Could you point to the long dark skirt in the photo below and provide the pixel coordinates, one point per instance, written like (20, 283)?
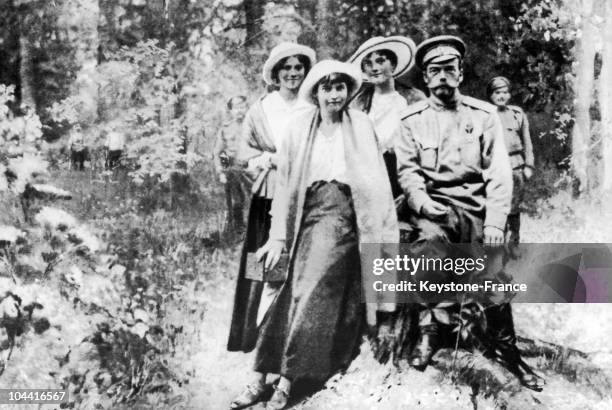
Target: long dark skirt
(391, 165)
(314, 326)
(243, 329)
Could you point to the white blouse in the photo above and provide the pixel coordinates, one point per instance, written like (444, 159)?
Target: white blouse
(385, 113)
(328, 160)
(278, 112)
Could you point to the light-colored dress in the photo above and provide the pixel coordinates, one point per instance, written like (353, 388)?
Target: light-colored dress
(386, 114)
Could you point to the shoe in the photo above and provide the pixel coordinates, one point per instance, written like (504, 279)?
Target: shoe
(278, 400)
(531, 381)
(252, 394)
(425, 347)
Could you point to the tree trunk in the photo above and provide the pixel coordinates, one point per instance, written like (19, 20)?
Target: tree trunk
(254, 11)
(107, 29)
(585, 58)
(308, 10)
(26, 71)
(325, 29)
(605, 97)
(80, 23)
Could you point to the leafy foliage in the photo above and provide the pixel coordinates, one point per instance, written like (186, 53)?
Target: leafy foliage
(52, 268)
(122, 302)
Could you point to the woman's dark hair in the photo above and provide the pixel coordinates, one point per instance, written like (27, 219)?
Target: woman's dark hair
(388, 54)
(330, 80)
(305, 61)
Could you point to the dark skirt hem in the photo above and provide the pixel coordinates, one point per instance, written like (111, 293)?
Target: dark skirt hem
(243, 328)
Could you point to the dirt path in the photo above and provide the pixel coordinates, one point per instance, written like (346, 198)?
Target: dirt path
(219, 375)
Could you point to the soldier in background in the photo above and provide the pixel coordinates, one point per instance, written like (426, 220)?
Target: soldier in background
(230, 173)
(78, 150)
(114, 145)
(518, 143)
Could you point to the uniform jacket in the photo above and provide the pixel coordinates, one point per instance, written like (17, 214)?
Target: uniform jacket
(517, 137)
(456, 155)
(227, 141)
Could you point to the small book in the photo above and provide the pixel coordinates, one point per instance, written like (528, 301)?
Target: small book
(255, 270)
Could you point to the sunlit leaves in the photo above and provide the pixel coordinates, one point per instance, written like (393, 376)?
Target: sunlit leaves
(9, 234)
(25, 169)
(54, 218)
(65, 111)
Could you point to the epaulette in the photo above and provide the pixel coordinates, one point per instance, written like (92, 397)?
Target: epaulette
(516, 109)
(415, 108)
(480, 104)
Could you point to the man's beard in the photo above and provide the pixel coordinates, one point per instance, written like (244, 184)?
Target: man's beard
(444, 93)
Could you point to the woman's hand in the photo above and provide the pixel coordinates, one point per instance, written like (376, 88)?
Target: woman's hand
(270, 253)
(528, 172)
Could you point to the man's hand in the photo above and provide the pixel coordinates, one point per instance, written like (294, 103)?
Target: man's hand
(493, 236)
(528, 172)
(434, 210)
(223, 178)
(270, 253)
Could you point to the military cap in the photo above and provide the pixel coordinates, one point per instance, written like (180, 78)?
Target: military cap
(497, 82)
(439, 49)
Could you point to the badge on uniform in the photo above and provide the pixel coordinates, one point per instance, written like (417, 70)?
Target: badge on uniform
(469, 128)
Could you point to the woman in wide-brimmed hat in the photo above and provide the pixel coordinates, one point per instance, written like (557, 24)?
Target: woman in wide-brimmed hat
(332, 194)
(382, 60)
(263, 126)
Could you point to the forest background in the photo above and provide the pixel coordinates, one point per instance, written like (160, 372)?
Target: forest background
(124, 279)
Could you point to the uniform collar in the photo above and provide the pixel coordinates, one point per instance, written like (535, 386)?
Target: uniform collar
(438, 105)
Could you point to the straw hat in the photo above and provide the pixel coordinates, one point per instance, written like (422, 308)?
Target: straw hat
(284, 50)
(402, 47)
(324, 68)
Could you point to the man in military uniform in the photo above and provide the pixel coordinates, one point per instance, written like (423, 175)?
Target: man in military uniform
(518, 144)
(228, 168)
(456, 174)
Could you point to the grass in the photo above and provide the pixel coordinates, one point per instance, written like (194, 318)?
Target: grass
(182, 276)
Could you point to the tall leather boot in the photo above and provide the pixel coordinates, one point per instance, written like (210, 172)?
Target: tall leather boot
(503, 345)
(513, 227)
